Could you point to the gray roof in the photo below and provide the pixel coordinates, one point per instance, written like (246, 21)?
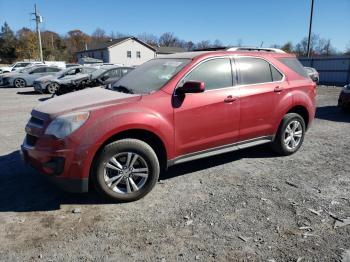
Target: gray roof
(87, 60)
(111, 42)
(169, 49)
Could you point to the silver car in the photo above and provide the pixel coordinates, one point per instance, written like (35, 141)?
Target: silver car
(27, 76)
(49, 84)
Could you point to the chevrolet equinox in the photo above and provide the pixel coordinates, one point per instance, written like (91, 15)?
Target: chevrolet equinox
(167, 111)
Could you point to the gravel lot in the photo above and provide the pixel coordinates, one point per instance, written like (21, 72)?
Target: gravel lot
(243, 206)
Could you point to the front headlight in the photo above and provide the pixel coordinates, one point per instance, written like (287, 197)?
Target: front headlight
(347, 87)
(65, 125)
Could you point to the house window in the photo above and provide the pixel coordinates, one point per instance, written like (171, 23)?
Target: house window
(138, 54)
(128, 54)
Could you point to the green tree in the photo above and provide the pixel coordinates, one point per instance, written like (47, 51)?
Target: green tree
(7, 44)
(27, 44)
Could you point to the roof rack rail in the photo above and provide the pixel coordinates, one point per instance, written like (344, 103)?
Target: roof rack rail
(264, 49)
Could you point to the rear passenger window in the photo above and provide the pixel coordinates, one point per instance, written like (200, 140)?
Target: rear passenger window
(215, 73)
(253, 70)
(295, 65)
(276, 75)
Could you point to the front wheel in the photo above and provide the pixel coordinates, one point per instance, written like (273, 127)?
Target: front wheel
(19, 83)
(51, 88)
(290, 135)
(126, 170)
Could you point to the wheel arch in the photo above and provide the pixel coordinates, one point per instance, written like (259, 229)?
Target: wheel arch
(302, 111)
(144, 135)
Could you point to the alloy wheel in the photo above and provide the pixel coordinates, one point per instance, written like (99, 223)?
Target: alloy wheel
(293, 135)
(126, 173)
(19, 83)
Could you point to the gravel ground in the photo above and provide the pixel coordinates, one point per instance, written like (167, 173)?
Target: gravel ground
(247, 205)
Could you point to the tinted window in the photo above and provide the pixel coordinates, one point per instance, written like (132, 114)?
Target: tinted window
(39, 70)
(214, 73)
(52, 69)
(253, 70)
(295, 65)
(276, 75)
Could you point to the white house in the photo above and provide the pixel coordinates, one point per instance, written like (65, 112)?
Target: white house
(128, 51)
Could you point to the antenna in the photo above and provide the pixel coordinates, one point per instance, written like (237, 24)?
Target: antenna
(38, 20)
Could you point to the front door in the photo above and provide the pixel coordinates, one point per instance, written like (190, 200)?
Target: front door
(209, 119)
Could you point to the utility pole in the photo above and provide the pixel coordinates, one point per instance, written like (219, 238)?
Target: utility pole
(310, 29)
(38, 19)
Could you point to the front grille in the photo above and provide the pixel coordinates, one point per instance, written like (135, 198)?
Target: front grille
(36, 121)
(31, 140)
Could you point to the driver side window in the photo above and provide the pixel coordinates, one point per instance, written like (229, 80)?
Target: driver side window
(215, 73)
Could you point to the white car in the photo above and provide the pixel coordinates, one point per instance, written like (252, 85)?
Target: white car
(16, 66)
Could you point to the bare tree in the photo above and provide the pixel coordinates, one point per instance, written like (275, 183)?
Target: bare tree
(288, 47)
(217, 43)
(203, 44)
(99, 35)
(150, 39)
(168, 39)
(324, 47)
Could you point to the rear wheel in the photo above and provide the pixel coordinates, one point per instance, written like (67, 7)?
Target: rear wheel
(290, 135)
(126, 170)
(51, 88)
(19, 83)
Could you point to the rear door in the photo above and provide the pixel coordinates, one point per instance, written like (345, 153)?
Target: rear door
(209, 119)
(260, 87)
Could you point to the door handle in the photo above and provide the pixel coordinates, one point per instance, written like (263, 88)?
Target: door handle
(277, 89)
(230, 99)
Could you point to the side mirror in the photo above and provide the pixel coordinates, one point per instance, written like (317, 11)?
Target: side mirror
(191, 87)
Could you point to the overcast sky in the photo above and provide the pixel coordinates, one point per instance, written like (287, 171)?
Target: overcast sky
(252, 21)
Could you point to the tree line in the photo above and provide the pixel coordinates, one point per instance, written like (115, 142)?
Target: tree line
(15, 46)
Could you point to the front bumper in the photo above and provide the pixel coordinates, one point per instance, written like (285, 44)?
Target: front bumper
(56, 166)
(39, 87)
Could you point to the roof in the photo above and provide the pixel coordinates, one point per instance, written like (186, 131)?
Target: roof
(109, 43)
(86, 59)
(192, 55)
(168, 49)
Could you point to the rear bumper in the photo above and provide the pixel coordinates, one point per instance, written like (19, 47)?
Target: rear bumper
(54, 167)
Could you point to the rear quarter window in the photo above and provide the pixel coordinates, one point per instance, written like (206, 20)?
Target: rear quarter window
(294, 65)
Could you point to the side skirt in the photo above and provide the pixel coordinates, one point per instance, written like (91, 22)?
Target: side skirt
(220, 150)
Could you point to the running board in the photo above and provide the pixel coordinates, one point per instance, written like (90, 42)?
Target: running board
(220, 150)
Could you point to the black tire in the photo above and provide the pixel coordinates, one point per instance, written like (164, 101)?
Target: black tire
(279, 145)
(146, 156)
(19, 83)
(52, 88)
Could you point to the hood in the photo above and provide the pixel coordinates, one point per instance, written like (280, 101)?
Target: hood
(84, 100)
(11, 74)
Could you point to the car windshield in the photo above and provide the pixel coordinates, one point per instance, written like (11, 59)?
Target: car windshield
(150, 76)
(97, 73)
(68, 71)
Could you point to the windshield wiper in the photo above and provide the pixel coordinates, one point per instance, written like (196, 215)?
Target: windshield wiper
(123, 89)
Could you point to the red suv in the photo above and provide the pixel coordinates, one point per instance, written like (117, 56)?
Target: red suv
(167, 111)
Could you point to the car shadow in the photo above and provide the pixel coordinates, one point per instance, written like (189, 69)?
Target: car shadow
(44, 98)
(22, 189)
(28, 93)
(262, 151)
(332, 113)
